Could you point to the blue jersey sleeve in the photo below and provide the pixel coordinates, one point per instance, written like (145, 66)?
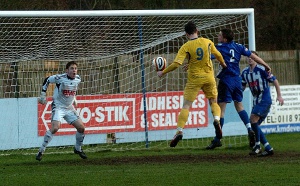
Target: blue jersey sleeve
(245, 51)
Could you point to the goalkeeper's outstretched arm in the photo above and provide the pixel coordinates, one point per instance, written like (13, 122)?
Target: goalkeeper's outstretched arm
(42, 98)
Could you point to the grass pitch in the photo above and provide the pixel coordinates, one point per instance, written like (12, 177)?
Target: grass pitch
(190, 166)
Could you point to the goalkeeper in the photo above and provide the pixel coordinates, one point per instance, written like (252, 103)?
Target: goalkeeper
(200, 76)
(62, 107)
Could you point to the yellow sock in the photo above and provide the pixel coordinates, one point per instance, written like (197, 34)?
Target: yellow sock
(183, 117)
(216, 110)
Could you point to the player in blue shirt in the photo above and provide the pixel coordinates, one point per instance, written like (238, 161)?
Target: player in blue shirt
(230, 86)
(257, 79)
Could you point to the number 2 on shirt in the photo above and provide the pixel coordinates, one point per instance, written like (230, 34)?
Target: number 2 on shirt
(232, 59)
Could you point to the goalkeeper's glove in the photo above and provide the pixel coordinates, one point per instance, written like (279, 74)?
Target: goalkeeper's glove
(42, 98)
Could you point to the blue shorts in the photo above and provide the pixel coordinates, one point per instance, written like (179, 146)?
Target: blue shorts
(262, 110)
(230, 90)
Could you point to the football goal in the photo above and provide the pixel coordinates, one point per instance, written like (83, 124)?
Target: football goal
(122, 102)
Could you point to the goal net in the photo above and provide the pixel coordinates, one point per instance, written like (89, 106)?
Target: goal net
(122, 102)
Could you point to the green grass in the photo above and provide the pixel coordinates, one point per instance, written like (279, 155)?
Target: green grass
(176, 166)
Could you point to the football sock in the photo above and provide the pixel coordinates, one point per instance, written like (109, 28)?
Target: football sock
(267, 146)
(221, 122)
(182, 117)
(215, 110)
(179, 129)
(79, 141)
(245, 118)
(216, 139)
(47, 138)
(256, 130)
(264, 140)
(248, 126)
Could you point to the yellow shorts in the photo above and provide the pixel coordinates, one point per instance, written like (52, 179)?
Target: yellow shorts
(196, 83)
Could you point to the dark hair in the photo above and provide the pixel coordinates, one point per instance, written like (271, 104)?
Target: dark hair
(190, 28)
(227, 34)
(71, 63)
(254, 52)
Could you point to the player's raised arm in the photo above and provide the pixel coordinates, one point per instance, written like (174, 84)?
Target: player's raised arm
(176, 63)
(47, 81)
(170, 68)
(42, 98)
(260, 61)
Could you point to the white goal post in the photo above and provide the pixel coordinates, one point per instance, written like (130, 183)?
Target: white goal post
(120, 91)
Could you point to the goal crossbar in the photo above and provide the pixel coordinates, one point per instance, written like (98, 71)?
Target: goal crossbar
(91, 13)
(73, 35)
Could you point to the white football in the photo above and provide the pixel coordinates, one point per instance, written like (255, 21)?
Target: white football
(159, 63)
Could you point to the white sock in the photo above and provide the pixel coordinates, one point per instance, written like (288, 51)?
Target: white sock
(179, 129)
(266, 144)
(79, 141)
(47, 138)
(217, 118)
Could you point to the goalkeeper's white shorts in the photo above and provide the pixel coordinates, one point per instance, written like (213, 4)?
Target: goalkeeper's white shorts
(69, 114)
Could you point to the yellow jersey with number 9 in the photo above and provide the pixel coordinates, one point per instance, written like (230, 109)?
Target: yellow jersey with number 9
(198, 52)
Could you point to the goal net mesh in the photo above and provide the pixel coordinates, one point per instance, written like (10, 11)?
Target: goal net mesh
(114, 55)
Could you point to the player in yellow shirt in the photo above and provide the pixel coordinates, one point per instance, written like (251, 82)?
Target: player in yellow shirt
(200, 71)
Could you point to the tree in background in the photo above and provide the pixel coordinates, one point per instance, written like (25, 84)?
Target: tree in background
(277, 24)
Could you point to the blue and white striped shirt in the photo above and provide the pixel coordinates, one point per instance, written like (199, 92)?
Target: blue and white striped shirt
(258, 81)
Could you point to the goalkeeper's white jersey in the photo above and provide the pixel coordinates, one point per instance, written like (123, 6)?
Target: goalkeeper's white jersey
(65, 89)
